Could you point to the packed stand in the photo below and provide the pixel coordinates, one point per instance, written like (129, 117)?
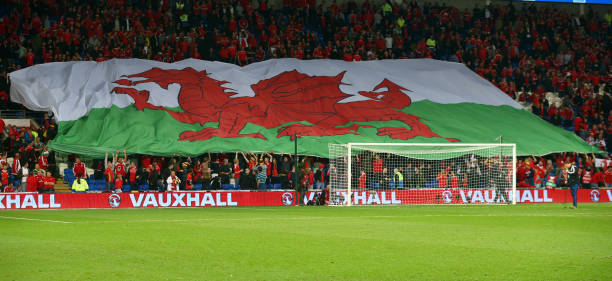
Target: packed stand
(25, 162)
(526, 51)
(553, 61)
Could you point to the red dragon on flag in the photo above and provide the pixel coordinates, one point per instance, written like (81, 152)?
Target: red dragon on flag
(293, 102)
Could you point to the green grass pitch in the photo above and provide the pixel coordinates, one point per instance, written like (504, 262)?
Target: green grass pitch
(523, 242)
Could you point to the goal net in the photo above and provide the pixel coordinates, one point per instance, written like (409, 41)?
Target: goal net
(417, 173)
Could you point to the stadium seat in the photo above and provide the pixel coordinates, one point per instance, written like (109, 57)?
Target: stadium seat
(68, 179)
(237, 187)
(228, 186)
(143, 187)
(126, 188)
(197, 186)
(277, 186)
(431, 184)
(68, 172)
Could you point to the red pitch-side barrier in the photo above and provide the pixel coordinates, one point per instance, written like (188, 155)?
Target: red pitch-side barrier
(462, 196)
(12, 201)
(145, 200)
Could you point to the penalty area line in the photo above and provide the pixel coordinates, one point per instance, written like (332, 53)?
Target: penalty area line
(31, 219)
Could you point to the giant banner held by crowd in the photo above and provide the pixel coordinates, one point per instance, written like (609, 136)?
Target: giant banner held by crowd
(194, 106)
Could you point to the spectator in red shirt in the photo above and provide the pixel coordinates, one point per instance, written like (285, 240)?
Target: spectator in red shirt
(5, 176)
(454, 180)
(120, 166)
(29, 58)
(109, 175)
(607, 177)
(133, 176)
(49, 182)
(236, 170)
(377, 168)
(79, 168)
(598, 177)
(362, 180)
(39, 181)
(16, 166)
(308, 179)
(377, 164)
(9, 188)
(189, 181)
(43, 160)
(119, 183)
(442, 179)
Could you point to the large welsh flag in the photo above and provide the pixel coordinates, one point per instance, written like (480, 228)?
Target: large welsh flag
(194, 106)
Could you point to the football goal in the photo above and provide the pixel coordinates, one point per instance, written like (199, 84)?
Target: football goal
(422, 173)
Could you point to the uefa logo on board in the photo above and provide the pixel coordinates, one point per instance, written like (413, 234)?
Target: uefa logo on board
(287, 199)
(114, 200)
(595, 196)
(447, 196)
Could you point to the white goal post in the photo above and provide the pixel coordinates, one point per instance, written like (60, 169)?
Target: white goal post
(422, 173)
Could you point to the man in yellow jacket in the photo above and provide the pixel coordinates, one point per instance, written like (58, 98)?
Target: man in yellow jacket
(80, 185)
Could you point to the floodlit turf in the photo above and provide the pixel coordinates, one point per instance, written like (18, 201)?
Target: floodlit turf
(523, 242)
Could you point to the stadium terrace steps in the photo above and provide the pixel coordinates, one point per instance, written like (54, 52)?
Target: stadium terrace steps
(61, 186)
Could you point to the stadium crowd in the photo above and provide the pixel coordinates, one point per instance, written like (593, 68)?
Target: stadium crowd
(547, 58)
(237, 170)
(24, 157)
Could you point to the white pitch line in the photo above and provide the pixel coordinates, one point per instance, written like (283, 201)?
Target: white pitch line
(31, 219)
(335, 217)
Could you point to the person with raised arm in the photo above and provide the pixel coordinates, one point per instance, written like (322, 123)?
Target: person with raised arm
(120, 164)
(236, 170)
(251, 160)
(109, 171)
